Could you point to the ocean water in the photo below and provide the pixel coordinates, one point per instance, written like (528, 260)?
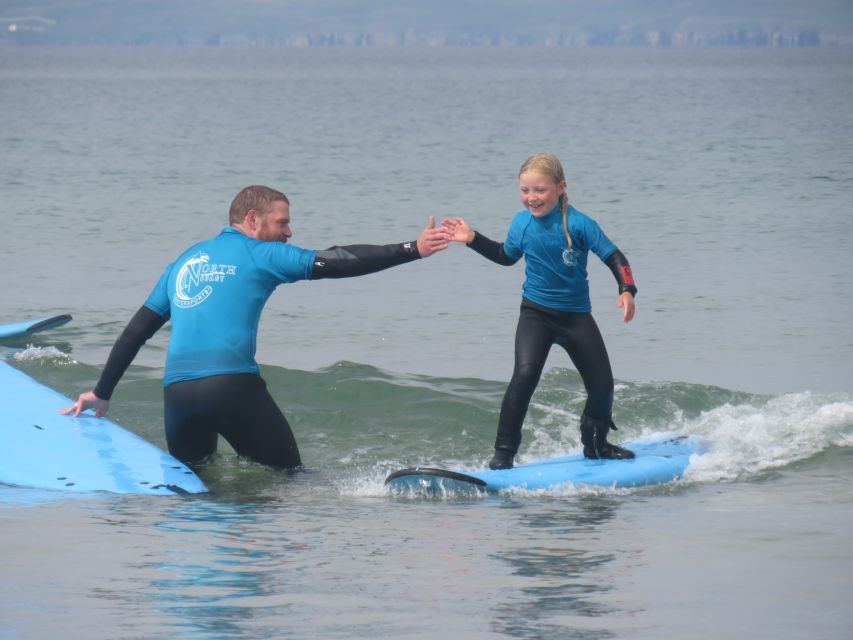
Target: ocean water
(725, 176)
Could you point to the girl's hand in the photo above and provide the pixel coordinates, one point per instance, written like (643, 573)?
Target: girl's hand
(626, 301)
(459, 230)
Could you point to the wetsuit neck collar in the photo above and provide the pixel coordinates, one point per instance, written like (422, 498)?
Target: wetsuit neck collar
(552, 212)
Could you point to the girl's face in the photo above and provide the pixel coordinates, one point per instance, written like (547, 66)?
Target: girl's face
(539, 193)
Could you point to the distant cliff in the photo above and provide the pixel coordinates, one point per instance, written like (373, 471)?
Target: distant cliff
(323, 23)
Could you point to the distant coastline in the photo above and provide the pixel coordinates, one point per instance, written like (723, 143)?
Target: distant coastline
(23, 35)
(439, 23)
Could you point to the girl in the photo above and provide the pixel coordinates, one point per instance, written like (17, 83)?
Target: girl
(555, 240)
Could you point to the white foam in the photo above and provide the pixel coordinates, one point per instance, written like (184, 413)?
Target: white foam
(43, 354)
(555, 434)
(742, 441)
(745, 440)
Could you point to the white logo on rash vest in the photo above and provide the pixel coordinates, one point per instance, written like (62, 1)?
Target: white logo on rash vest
(196, 278)
(570, 257)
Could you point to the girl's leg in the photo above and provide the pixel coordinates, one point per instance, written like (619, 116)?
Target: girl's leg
(583, 342)
(533, 340)
(585, 346)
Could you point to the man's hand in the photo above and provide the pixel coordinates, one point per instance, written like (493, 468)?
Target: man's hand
(87, 400)
(433, 239)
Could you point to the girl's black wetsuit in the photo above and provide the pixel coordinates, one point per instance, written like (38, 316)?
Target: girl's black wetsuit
(554, 273)
(538, 329)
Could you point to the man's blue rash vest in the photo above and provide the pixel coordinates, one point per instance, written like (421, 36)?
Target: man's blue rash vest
(214, 294)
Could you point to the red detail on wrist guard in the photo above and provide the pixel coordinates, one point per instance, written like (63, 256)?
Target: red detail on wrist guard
(627, 276)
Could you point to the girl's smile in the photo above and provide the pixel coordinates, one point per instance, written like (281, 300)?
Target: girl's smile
(539, 193)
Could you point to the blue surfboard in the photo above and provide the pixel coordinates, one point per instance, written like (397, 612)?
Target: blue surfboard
(28, 327)
(658, 460)
(43, 449)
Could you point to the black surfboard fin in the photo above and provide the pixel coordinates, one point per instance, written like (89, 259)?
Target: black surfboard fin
(437, 473)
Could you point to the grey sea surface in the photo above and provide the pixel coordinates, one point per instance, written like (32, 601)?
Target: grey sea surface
(725, 176)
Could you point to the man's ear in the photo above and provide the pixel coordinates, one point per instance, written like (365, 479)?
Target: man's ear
(251, 219)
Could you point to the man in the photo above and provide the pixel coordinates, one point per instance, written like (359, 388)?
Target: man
(214, 294)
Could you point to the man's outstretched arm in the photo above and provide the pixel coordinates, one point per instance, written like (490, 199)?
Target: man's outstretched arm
(361, 259)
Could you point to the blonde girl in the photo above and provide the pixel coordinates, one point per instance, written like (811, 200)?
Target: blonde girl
(555, 240)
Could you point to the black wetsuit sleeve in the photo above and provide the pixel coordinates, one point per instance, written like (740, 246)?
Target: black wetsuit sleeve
(618, 264)
(490, 249)
(144, 324)
(361, 259)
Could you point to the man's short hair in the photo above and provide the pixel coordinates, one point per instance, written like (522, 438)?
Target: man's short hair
(255, 197)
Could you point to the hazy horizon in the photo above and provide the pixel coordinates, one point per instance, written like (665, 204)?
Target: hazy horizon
(441, 22)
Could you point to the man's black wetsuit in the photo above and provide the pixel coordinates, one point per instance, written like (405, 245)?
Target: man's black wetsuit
(214, 294)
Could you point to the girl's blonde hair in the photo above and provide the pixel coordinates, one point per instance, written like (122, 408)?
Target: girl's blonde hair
(549, 165)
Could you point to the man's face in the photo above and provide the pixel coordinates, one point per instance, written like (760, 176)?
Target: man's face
(275, 225)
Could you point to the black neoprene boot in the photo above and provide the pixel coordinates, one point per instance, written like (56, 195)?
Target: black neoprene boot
(594, 438)
(502, 459)
(507, 442)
